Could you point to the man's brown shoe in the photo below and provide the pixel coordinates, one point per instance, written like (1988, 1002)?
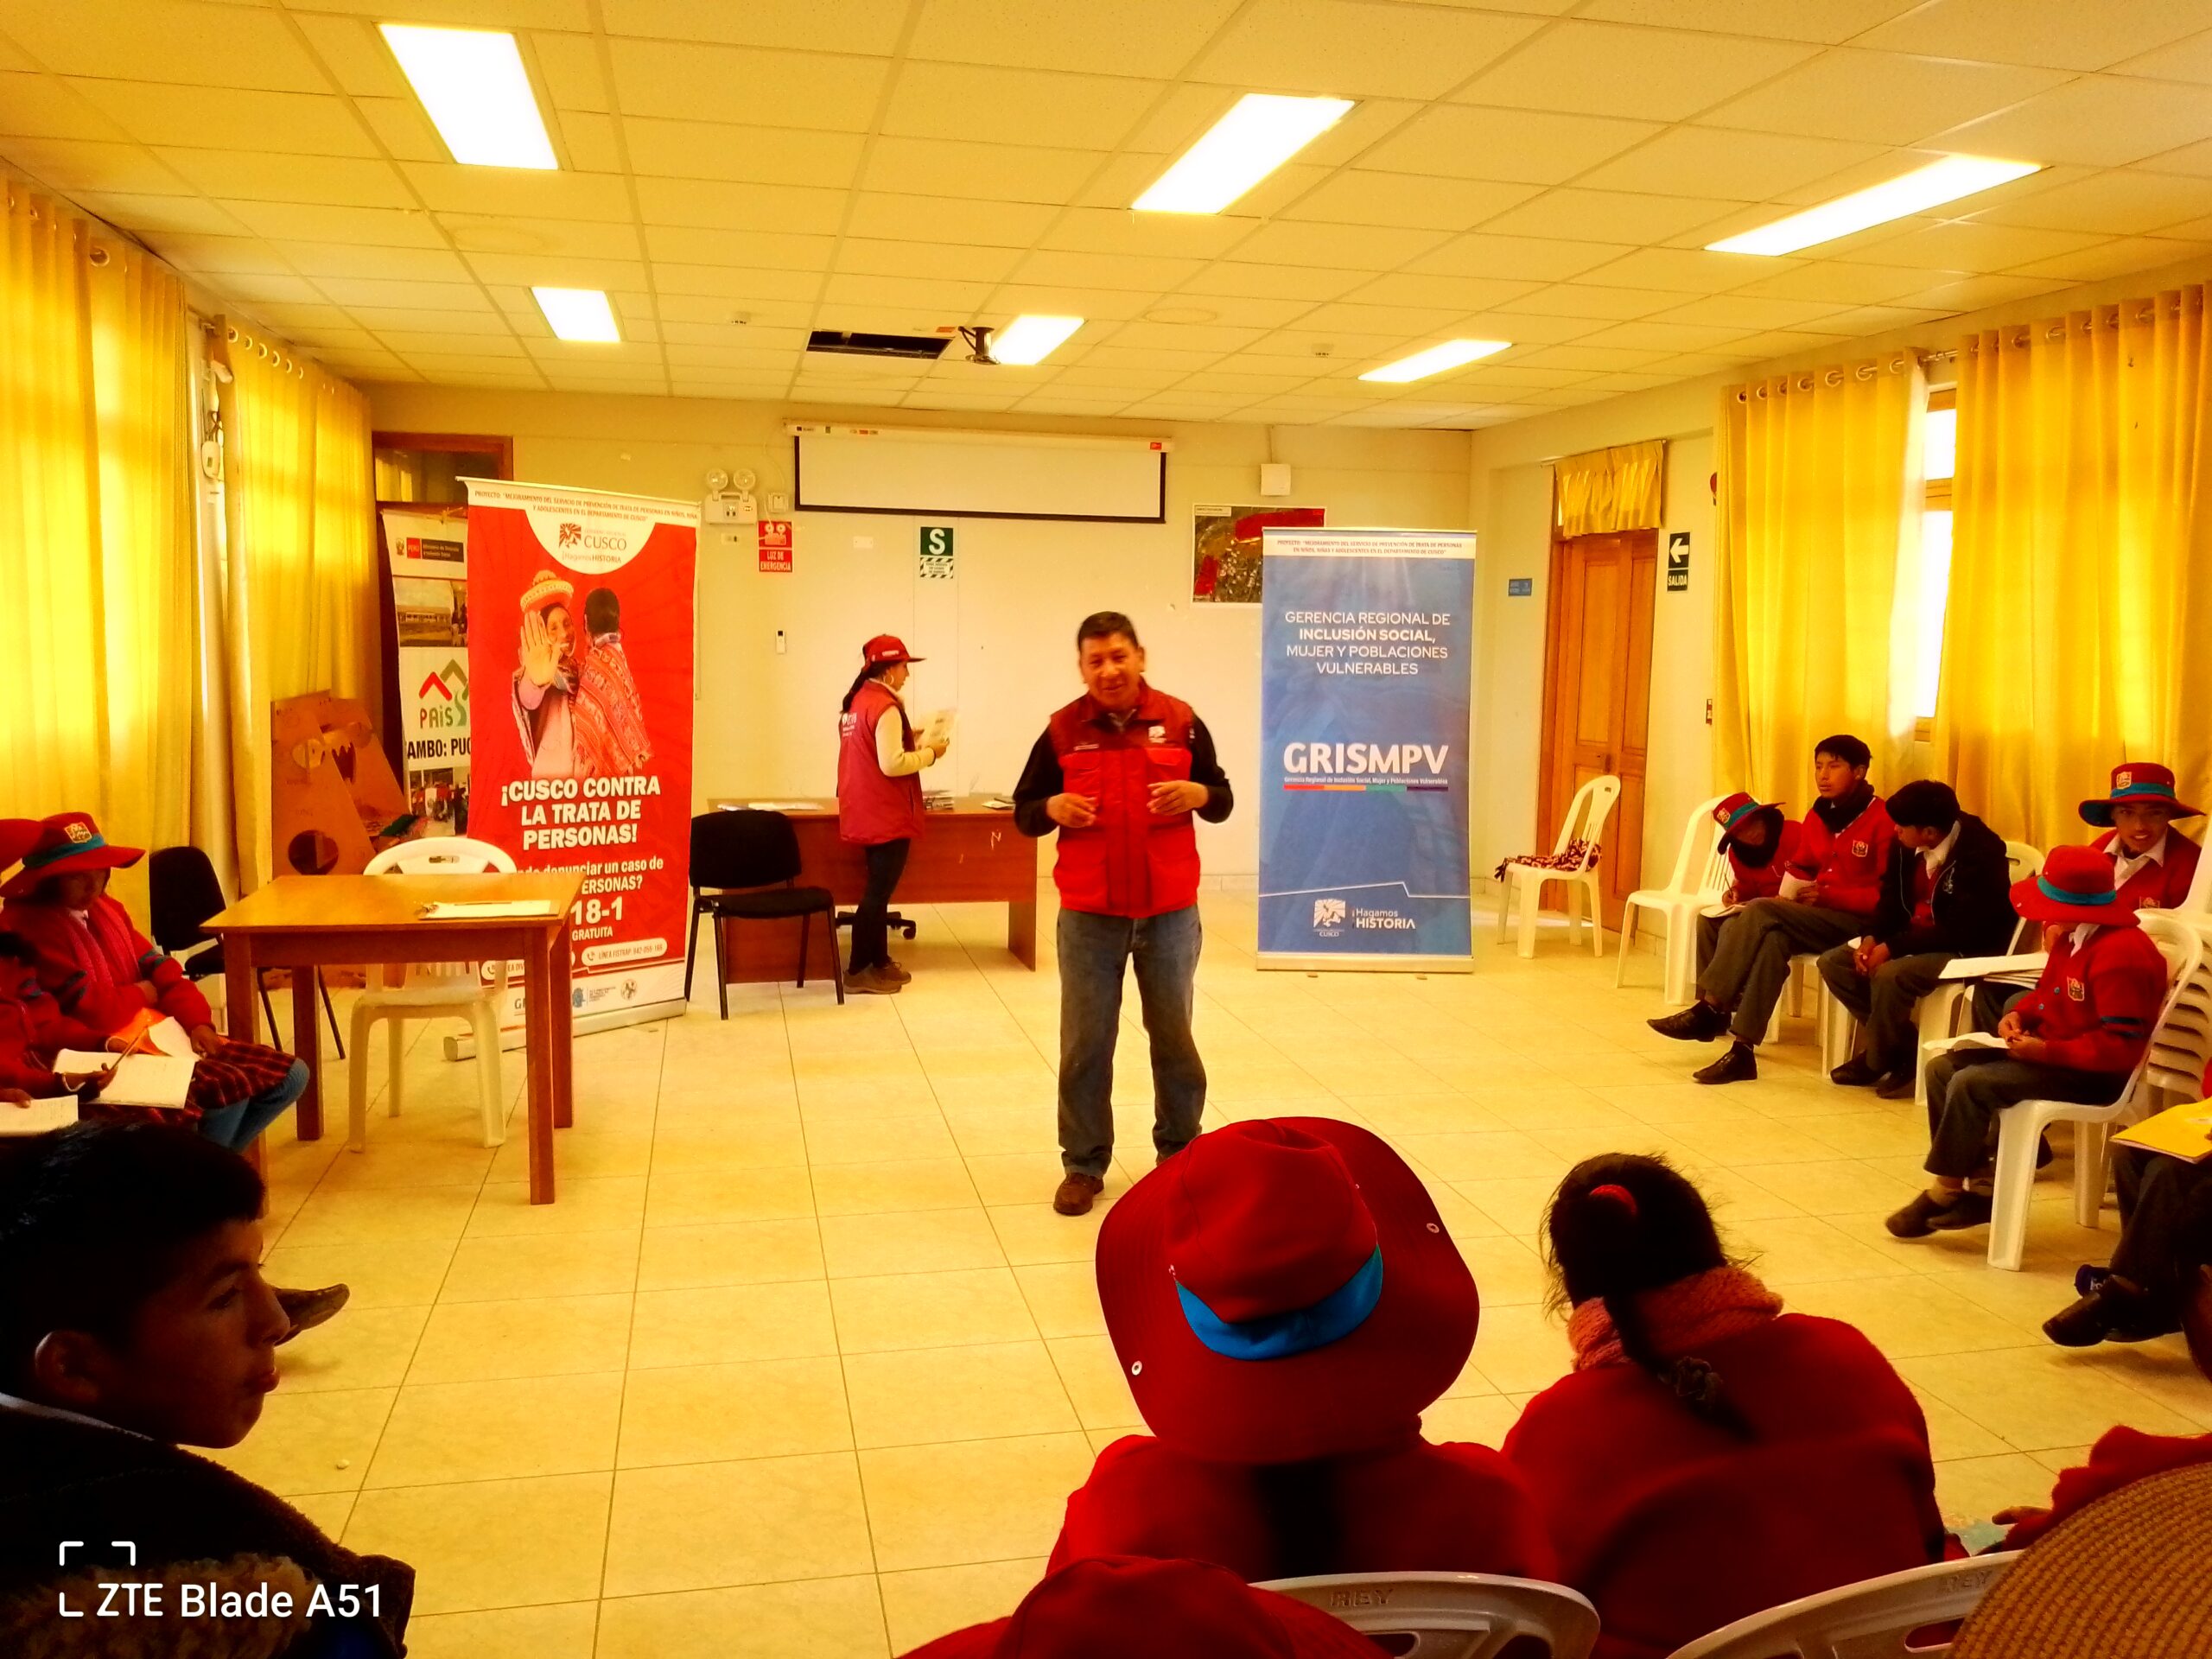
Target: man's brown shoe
(872, 981)
(891, 966)
(1075, 1194)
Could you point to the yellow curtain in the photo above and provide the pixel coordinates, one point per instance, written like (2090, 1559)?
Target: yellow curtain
(302, 567)
(2079, 551)
(1818, 543)
(96, 503)
(1601, 492)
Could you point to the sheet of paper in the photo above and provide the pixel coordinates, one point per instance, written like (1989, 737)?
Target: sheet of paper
(1972, 1039)
(486, 909)
(1717, 911)
(2183, 1132)
(170, 1038)
(2028, 962)
(998, 802)
(779, 806)
(148, 1080)
(1793, 884)
(76, 1062)
(937, 729)
(56, 1112)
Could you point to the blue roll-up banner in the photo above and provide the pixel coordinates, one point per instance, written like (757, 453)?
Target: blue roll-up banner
(1364, 680)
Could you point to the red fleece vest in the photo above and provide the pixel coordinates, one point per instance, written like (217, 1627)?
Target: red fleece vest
(872, 808)
(1131, 862)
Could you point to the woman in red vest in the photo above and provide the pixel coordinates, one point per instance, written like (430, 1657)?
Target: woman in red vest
(879, 801)
(1710, 1456)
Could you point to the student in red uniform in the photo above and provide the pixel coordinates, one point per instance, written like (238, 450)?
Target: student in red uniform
(1760, 842)
(1120, 772)
(1710, 1455)
(879, 800)
(1946, 893)
(2075, 1037)
(2152, 864)
(1834, 887)
(1284, 1303)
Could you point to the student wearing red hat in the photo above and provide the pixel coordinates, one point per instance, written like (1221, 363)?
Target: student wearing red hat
(1117, 1607)
(1710, 1455)
(2153, 865)
(1833, 886)
(1284, 1303)
(1121, 772)
(2075, 1037)
(879, 800)
(1760, 842)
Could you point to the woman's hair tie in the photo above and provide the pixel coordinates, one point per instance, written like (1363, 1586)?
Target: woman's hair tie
(1614, 1194)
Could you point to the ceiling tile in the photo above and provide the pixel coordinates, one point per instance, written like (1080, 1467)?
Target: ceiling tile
(2188, 60)
(1609, 216)
(1706, 161)
(173, 40)
(1008, 106)
(1350, 49)
(219, 253)
(75, 165)
(369, 226)
(935, 167)
(140, 214)
(1107, 230)
(722, 205)
(1825, 21)
(1595, 358)
(1595, 68)
(1458, 293)
(776, 299)
(428, 296)
(1523, 146)
(867, 26)
(690, 245)
(2050, 32)
(43, 107)
(246, 288)
(1355, 196)
(449, 187)
(292, 123)
(1879, 320)
(1343, 247)
(558, 271)
(686, 81)
(2118, 203)
(1966, 245)
(947, 218)
(587, 141)
(943, 260)
(1527, 328)
(584, 238)
(1099, 304)
(2115, 258)
(569, 71)
(1274, 282)
(1694, 271)
(1579, 300)
(698, 149)
(1185, 337)
(1105, 271)
(2100, 120)
(1651, 336)
(1116, 37)
(430, 321)
(353, 53)
(1379, 321)
(909, 301)
(402, 129)
(1978, 293)
(1833, 279)
(1516, 258)
(477, 344)
(1879, 97)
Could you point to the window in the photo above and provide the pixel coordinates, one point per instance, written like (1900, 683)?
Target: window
(1939, 452)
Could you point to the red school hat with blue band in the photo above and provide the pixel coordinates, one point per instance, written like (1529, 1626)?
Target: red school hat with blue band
(2137, 783)
(66, 842)
(1732, 809)
(2075, 884)
(1283, 1289)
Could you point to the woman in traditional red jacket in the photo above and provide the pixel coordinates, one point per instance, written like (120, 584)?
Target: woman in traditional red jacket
(1285, 1303)
(1710, 1456)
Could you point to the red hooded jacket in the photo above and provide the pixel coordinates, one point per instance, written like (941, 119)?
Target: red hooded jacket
(1675, 1526)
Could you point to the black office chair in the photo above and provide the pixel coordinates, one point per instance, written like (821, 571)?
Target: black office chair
(183, 893)
(752, 850)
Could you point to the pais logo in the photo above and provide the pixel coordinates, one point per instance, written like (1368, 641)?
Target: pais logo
(441, 700)
(1328, 912)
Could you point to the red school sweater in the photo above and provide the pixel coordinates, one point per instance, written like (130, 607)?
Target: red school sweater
(1416, 1506)
(33, 1029)
(1674, 1526)
(2163, 886)
(1849, 863)
(2095, 1007)
(1764, 880)
(93, 967)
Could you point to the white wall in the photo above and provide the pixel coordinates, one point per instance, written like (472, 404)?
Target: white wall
(999, 638)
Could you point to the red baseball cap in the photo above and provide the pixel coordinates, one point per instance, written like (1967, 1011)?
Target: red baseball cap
(1112, 1606)
(886, 648)
(1284, 1289)
(1734, 809)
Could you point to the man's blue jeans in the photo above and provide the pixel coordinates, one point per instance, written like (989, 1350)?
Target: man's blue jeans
(236, 1125)
(1094, 950)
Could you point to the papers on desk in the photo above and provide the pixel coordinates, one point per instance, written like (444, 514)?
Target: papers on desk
(57, 1112)
(132, 1079)
(772, 806)
(2026, 968)
(486, 910)
(2182, 1132)
(998, 804)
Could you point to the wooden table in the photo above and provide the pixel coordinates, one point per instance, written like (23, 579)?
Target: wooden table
(312, 921)
(971, 854)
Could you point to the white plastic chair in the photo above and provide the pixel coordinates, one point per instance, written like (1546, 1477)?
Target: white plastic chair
(1940, 1012)
(432, 991)
(1874, 1619)
(1453, 1615)
(1700, 878)
(1585, 821)
(2183, 1048)
(2020, 1126)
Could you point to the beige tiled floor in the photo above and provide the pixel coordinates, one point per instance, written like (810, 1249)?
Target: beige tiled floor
(803, 1362)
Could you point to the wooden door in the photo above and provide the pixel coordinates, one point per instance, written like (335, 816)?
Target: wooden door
(1598, 692)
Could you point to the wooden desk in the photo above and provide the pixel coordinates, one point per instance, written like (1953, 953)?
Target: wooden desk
(971, 854)
(310, 921)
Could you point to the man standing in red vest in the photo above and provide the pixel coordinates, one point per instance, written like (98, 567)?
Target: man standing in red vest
(1120, 772)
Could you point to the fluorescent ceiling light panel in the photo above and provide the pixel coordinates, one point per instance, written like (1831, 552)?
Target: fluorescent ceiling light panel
(1255, 138)
(1928, 187)
(1032, 340)
(579, 314)
(1437, 358)
(477, 93)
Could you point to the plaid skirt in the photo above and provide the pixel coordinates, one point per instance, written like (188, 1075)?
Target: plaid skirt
(234, 1072)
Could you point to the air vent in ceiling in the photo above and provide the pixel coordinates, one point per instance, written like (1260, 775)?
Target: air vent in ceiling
(923, 346)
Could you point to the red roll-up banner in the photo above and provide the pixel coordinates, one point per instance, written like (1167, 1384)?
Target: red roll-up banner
(580, 658)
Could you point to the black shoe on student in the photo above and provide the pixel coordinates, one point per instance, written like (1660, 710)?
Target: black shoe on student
(1855, 1073)
(1899, 1085)
(1701, 1023)
(1916, 1220)
(1968, 1210)
(1738, 1064)
(2106, 1313)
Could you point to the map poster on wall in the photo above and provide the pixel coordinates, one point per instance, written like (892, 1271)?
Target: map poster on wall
(426, 550)
(1225, 549)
